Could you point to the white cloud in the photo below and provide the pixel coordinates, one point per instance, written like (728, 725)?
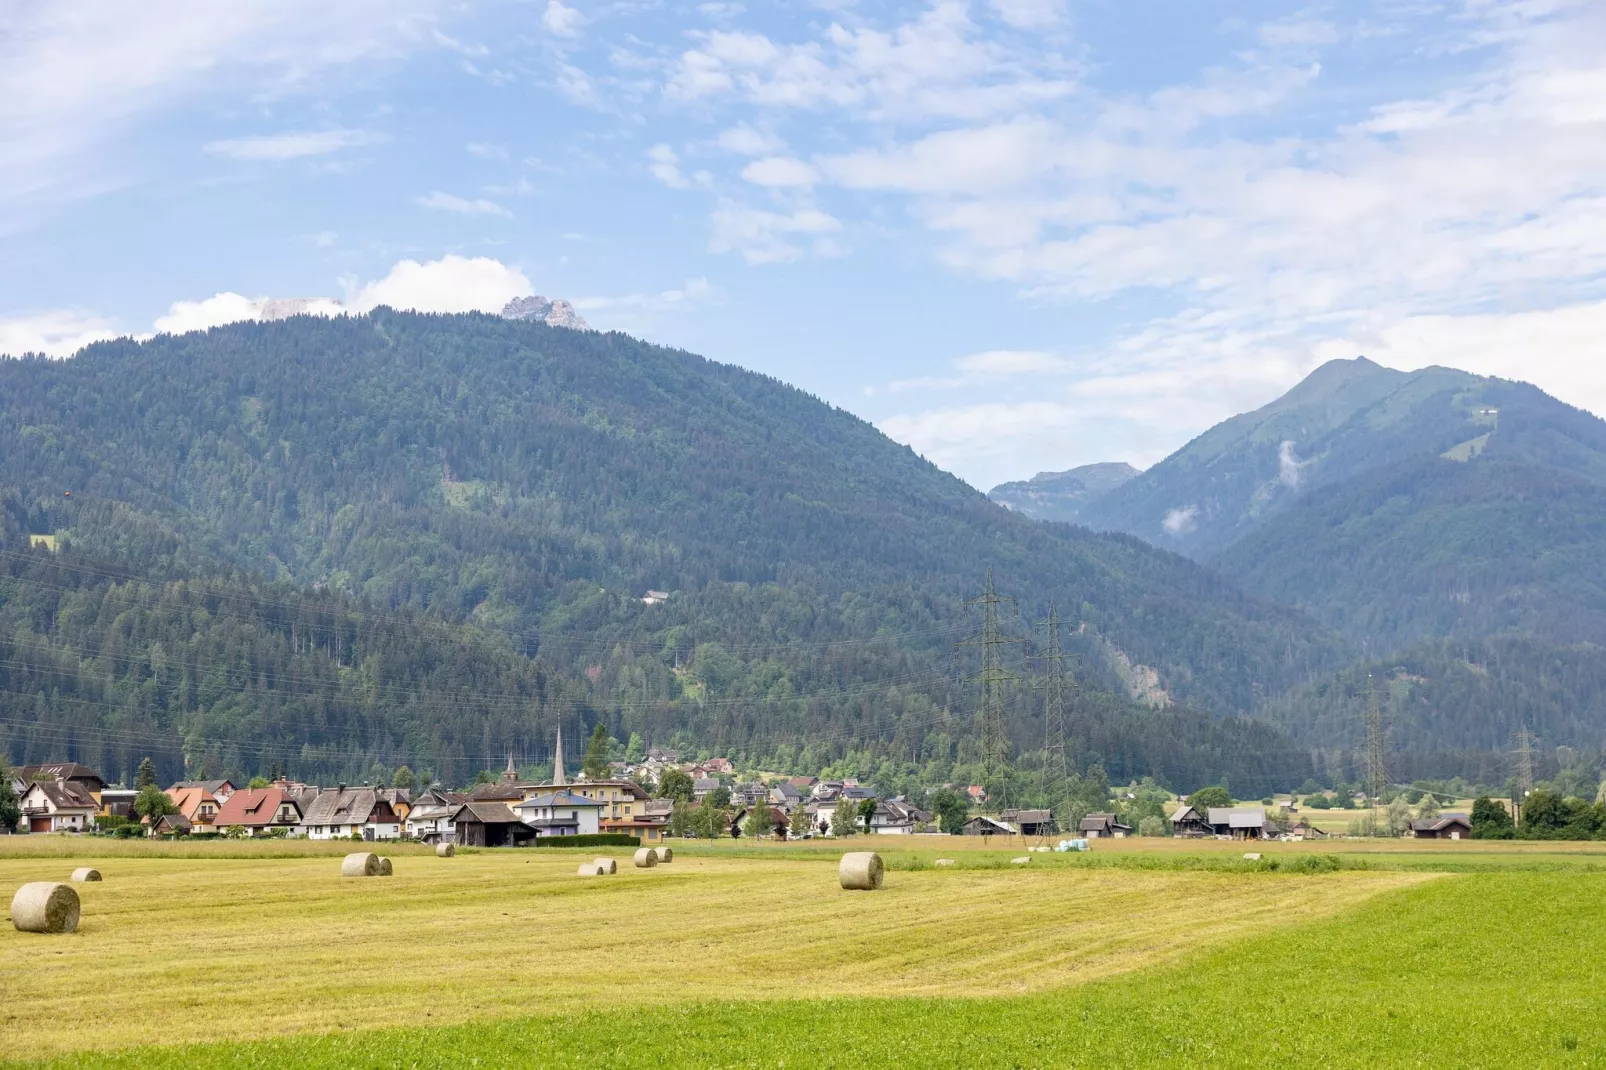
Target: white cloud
(1029, 14)
(487, 151)
(1180, 521)
(744, 140)
(276, 148)
(764, 237)
(562, 20)
(1010, 362)
(450, 284)
(664, 165)
(222, 308)
(54, 333)
(1288, 465)
(780, 172)
(446, 202)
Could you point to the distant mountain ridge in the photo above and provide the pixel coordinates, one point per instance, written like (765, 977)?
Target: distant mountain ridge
(1062, 495)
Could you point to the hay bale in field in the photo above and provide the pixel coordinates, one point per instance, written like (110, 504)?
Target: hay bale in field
(646, 858)
(860, 871)
(665, 854)
(1252, 856)
(45, 907)
(607, 865)
(588, 869)
(445, 850)
(361, 864)
(943, 862)
(385, 868)
(85, 874)
(1021, 861)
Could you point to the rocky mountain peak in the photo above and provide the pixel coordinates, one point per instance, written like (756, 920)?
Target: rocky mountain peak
(552, 311)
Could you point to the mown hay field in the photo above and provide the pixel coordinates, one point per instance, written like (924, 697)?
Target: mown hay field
(188, 945)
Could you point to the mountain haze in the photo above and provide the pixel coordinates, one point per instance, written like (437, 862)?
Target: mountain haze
(1062, 495)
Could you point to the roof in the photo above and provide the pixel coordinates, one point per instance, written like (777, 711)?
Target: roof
(704, 783)
(486, 813)
(256, 807)
(500, 792)
(63, 795)
(559, 798)
(1094, 822)
(1186, 813)
(991, 823)
(1443, 821)
(189, 799)
(1030, 817)
(58, 771)
(340, 806)
(660, 806)
(1237, 817)
(211, 786)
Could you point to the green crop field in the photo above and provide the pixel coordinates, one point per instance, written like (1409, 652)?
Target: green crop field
(1146, 955)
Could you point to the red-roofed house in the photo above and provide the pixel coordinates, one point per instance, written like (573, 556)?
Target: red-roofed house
(198, 806)
(257, 810)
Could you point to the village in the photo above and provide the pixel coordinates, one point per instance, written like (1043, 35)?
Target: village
(623, 803)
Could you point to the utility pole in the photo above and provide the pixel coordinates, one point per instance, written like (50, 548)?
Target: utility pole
(1377, 780)
(1055, 771)
(1525, 770)
(994, 678)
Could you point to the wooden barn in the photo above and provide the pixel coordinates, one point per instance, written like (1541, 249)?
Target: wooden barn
(490, 824)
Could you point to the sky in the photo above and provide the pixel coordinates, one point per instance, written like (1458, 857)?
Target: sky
(1018, 235)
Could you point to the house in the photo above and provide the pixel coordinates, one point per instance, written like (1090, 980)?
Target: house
(57, 806)
(218, 789)
(1031, 822)
(198, 806)
(430, 817)
(489, 824)
(171, 825)
(977, 793)
(1189, 823)
(895, 817)
(340, 813)
(1240, 823)
(1304, 830)
(1443, 827)
(1103, 826)
(259, 811)
(655, 598)
(981, 825)
(400, 799)
(703, 787)
(117, 802)
(786, 795)
(620, 800)
(561, 813)
(750, 794)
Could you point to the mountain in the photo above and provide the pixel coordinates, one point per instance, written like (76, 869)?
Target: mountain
(534, 482)
(554, 312)
(1062, 495)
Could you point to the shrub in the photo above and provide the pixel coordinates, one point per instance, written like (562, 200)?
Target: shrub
(1151, 826)
(598, 839)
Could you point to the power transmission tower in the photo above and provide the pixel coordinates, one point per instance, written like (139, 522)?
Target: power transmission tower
(994, 679)
(1525, 770)
(1377, 778)
(1056, 773)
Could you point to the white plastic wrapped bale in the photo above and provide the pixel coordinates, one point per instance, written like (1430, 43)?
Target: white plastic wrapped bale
(80, 876)
(646, 858)
(1021, 861)
(45, 907)
(445, 850)
(361, 864)
(860, 871)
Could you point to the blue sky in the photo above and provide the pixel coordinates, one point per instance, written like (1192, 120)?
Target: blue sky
(1018, 235)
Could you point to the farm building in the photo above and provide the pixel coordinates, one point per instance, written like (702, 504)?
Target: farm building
(1031, 822)
(1240, 823)
(1443, 827)
(489, 824)
(981, 825)
(1190, 823)
(1103, 826)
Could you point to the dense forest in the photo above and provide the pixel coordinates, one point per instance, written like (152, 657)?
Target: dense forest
(474, 508)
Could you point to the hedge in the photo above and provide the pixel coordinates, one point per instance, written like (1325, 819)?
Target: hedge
(599, 839)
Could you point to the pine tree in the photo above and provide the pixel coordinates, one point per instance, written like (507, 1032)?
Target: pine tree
(10, 808)
(798, 826)
(595, 765)
(146, 777)
(844, 817)
(1428, 808)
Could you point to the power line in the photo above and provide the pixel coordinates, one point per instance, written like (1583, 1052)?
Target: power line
(994, 679)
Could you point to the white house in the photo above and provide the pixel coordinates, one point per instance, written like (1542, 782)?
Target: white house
(561, 813)
(57, 806)
(430, 819)
(340, 813)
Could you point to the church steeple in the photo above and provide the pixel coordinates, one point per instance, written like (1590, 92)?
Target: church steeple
(557, 763)
(510, 775)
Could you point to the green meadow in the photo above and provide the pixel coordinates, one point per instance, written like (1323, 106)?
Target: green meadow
(753, 957)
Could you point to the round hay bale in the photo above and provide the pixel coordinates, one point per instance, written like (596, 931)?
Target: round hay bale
(943, 862)
(588, 869)
(1021, 861)
(445, 850)
(45, 907)
(665, 854)
(646, 858)
(85, 874)
(361, 864)
(1252, 856)
(385, 868)
(860, 871)
(606, 866)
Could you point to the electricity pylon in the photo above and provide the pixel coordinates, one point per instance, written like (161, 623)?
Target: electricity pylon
(1056, 773)
(994, 679)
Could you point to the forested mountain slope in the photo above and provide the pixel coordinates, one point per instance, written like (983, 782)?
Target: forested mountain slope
(537, 482)
(1063, 496)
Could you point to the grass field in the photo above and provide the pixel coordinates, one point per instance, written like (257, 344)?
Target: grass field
(743, 956)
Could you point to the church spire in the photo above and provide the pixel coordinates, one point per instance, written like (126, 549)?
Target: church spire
(510, 775)
(557, 763)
